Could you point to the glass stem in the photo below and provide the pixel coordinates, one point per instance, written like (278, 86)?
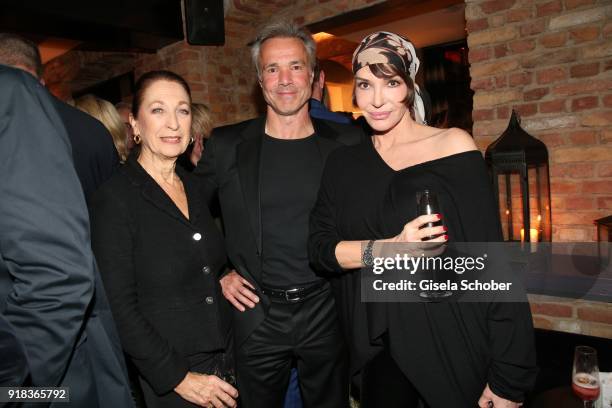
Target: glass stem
(589, 404)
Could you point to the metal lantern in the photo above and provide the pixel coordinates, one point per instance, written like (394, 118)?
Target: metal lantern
(519, 167)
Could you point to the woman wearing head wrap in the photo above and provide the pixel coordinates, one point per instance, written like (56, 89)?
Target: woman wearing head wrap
(448, 354)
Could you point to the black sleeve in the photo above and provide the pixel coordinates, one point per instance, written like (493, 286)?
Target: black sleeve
(113, 243)
(44, 230)
(206, 170)
(511, 339)
(324, 236)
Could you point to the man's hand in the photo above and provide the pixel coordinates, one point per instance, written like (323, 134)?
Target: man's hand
(488, 399)
(238, 291)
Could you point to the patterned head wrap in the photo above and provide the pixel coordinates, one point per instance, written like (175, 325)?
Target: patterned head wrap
(383, 47)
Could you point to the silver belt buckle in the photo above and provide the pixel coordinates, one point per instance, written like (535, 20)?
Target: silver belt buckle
(288, 293)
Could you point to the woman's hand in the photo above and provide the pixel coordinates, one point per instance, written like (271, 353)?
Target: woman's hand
(489, 399)
(207, 391)
(416, 230)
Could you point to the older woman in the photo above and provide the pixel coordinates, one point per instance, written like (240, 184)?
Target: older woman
(449, 354)
(160, 255)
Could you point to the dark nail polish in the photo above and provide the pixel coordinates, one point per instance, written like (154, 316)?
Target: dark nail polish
(446, 237)
(444, 229)
(439, 216)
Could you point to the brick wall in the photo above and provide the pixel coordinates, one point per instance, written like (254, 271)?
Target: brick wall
(552, 62)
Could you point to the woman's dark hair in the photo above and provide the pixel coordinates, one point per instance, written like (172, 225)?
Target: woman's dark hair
(388, 71)
(153, 76)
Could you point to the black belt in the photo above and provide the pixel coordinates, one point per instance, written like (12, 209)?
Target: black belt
(294, 294)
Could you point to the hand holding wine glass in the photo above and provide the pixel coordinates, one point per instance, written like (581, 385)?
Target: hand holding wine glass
(585, 375)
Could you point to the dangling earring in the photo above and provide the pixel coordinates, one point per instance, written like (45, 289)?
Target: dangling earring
(137, 139)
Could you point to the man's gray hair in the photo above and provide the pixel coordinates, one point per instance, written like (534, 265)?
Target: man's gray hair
(16, 51)
(284, 29)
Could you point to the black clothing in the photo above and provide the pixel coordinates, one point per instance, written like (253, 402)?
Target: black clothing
(307, 332)
(49, 289)
(448, 351)
(232, 167)
(93, 152)
(290, 174)
(161, 273)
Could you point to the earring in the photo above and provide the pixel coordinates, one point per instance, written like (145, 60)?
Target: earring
(137, 139)
(191, 140)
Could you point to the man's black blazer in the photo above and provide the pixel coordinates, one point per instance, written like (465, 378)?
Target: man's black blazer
(230, 168)
(93, 152)
(47, 269)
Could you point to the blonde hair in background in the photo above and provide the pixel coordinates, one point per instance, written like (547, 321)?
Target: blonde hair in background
(201, 122)
(106, 113)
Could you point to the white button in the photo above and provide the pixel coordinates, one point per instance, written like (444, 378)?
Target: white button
(197, 236)
(209, 300)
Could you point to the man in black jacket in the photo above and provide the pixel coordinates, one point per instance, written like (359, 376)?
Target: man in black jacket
(50, 294)
(266, 172)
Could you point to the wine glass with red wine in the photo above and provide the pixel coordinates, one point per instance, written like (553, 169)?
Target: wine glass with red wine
(585, 375)
(427, 204)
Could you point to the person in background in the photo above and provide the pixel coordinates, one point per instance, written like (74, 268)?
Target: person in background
(124, 109)
(161, 254)
(317, 99)
(201, 126)
(93, 152)
(266, 173)
(450, 354)
(106, 113)
(50, 293)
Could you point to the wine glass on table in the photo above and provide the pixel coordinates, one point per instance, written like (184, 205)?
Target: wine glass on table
(585, 375)
(427, 204)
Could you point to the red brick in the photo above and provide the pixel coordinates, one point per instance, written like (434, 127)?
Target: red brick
(533, 27)
(549, 8)
(608, 66)
(586, 102)
(550, 75)
(563, 187)
(573, 170)
(583, 137)
(596, 314)
(501, 50)
(553, 40)
(477, 25)
(604, 203)
(187, 55)
(493, 6)
(579, 203)
(586, 86)
(584, 70)
(482, 84)
(557, 105)
(607, 101)
(575, 217)
(572, 4)
(607, 30)
(583, 34)
(479, 54)
(520, 46)
(501, 81)
(552, 139)
(523, 78)
(535, 94)
(483, 114)
(542, 323)
(597, 187)
(605, 170)
(527, 109)
(503, 112)
(519, 15)
(551, 309)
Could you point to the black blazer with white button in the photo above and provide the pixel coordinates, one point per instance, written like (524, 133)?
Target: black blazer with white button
(161, 273)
